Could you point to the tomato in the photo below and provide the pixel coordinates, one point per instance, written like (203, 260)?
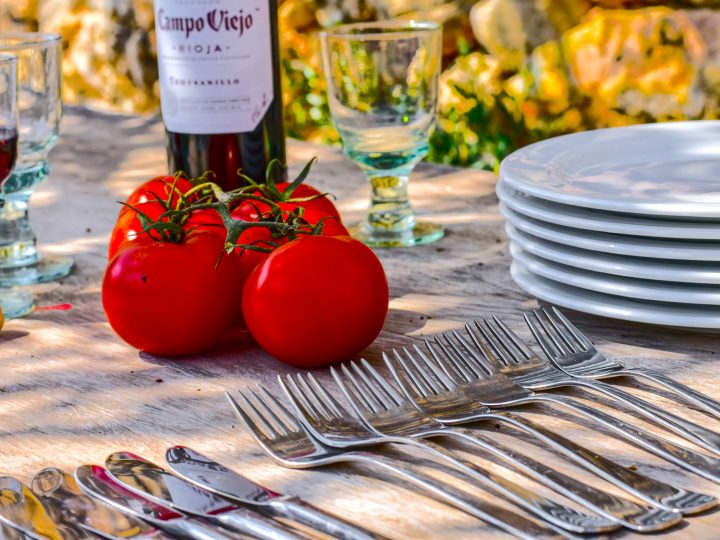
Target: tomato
(160, 186)
(316, 300)
(262, 237)
(171, 299)
(128, 226)
(248, 209)
(322, 204)
(208, 220)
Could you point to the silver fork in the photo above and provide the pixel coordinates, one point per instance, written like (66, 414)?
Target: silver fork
(291, 445)
(453, 398)
(575, 354)
(518, 362)
(385, 410)
(500, 391)
(334, 425)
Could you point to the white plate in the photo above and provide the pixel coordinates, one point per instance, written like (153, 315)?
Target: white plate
(669, 169)
(610, 222)
(618, 265)
(616, 307)
(635, 246)
(656, 291)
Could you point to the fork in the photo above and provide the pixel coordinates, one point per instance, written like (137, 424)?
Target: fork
(518, 362)
(291, 445)
(457, 399)
(332, 424)
(575, 354)
(385, 410)
(500, 391)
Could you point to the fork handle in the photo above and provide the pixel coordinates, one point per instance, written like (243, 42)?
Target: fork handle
(652, 491)
(680, 456)
(701, 400)
(501, 518)
(705, 438)
(627, 513)
(303, 512)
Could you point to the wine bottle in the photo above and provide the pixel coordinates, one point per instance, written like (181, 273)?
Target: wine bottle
(221, 101)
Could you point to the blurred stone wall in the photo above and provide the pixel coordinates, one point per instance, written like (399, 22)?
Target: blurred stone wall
(515, 71)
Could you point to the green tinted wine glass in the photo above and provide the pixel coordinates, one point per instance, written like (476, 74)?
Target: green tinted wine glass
(382, 83)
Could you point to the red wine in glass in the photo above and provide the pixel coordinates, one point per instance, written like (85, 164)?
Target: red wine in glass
(8, 152)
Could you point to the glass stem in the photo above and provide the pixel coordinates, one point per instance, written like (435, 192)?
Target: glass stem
(390, 209)
(17, 240)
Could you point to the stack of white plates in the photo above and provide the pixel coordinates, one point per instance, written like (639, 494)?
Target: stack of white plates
(622, 222)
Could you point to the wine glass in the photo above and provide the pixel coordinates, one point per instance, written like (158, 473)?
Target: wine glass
(14, 303)
(39, 111)
(382, 83)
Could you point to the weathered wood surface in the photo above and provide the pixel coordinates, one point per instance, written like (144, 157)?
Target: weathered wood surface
(72, 392)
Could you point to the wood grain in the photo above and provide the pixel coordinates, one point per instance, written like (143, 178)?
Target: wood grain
(72, 392)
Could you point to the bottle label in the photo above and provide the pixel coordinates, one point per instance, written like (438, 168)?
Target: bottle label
(215, 63)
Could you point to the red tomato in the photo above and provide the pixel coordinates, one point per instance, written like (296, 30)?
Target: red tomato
(208, 220)
(171, 299)
(128, 226)
(248, 210)
(262, 237)
(322, 204)
(160, 186)
(337, 285)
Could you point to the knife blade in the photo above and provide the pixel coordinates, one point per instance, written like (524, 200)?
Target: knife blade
(21, 510)
(157, 484)
(62, 490)
(98, 483)
(211, 475)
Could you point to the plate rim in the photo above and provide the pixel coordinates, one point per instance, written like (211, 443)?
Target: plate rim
(518, 220)
(614, 287)
(508, 171)
(590, 258)
(584, 305)
(515, 199)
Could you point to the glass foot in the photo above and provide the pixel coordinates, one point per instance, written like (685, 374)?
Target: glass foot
(16, 303)
(422, 233)
(48, 268)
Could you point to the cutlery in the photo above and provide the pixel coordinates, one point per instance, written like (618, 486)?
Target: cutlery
(334, 425)
(216, 478)
(577, 356)
(62, 490)
(457, 399)
(385, 410)
(158, 485)
(500, 391)
(98, 483)
(291, 445)
(518, 362)
(22, 511)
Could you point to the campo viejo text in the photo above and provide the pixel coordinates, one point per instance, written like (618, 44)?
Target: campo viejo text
(216, 20)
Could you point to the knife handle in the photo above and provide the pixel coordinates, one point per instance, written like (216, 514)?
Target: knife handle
(298, 510)
(255, 525)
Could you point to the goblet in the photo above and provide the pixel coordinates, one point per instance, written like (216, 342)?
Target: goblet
(382, 83)
(39, 110)
(14, 303)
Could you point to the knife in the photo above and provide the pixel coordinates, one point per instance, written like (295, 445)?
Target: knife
(61, 489)
(98, 483)
(161, 486)
(21, 510)
(214, 477)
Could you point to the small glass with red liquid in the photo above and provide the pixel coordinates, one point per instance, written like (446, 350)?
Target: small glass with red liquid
(15, 303)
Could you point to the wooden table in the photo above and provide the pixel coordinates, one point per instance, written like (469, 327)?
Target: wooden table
(72, 392)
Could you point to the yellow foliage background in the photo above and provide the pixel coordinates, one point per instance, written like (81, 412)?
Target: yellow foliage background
(515, 71)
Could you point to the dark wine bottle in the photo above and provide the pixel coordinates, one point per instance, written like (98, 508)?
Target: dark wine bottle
(219, 64)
